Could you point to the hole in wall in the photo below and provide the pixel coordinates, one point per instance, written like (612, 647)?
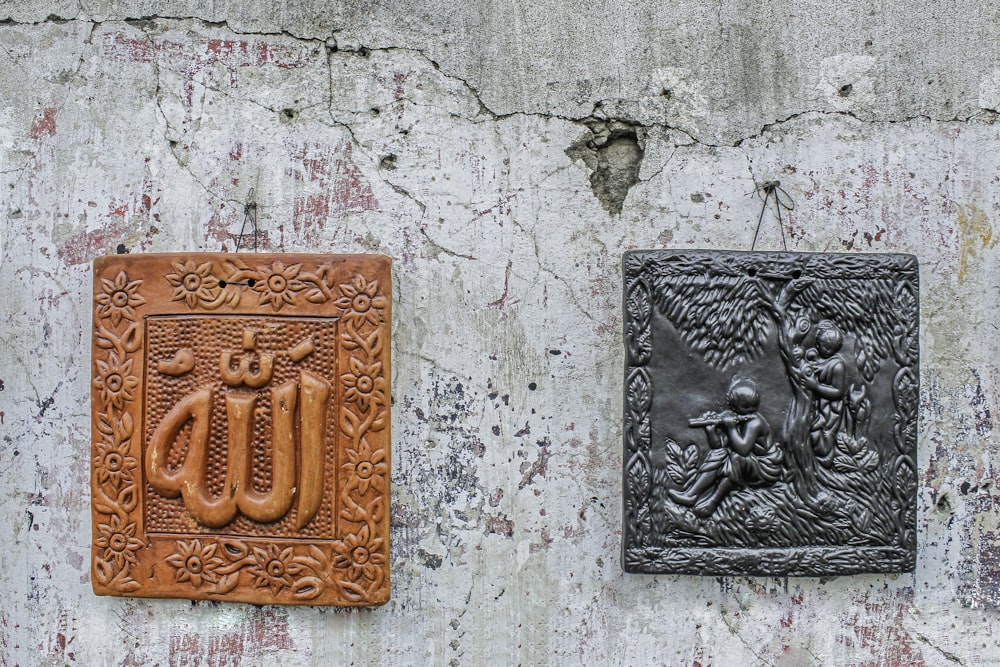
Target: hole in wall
(613, 151)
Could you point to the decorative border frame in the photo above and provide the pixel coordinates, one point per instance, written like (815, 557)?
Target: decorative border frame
(352, 570)
(640, 269)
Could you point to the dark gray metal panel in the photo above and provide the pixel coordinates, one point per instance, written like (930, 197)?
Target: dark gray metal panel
(770, 413)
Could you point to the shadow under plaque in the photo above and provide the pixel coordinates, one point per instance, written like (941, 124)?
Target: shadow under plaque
(770, 413)
(241, 427)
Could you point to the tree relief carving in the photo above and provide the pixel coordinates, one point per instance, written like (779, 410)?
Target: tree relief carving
(770, 413)
(247, 447)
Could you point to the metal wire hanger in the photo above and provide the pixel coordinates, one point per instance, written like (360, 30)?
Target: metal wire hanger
(250, 215)
(782, 200)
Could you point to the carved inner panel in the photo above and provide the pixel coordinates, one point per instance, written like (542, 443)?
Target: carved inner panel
(770, 413)
(208, 342)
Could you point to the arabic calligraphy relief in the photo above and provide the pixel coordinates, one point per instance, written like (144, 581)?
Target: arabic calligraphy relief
(243, 436)
(240, 453)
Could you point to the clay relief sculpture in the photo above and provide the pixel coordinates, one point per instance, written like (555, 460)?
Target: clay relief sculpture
(241, 428)
(770, 413)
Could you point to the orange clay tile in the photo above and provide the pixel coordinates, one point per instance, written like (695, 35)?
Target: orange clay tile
(241, 427)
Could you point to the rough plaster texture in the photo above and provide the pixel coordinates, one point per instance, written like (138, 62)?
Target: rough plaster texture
(504, 154)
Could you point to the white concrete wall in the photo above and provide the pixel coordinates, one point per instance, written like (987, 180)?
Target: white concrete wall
(460, 139)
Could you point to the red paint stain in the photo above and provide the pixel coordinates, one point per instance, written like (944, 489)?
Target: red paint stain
(237, 53)
(981, 408)
(501, 303)
(499, 525)
(988, 561)
(58, 644)
(44, 124)
(547, 541)
(114, 227)
(334, 186)
(880, 627)
(198, 59)
(128, 49)
(538, 467)
(259, 636)
(499, 210)
(81, 248)
(399, 78)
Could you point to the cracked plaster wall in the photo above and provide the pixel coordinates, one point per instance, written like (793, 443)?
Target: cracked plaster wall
(504, 154)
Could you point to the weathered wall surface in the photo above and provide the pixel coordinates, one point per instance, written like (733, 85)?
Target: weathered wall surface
(504, 154)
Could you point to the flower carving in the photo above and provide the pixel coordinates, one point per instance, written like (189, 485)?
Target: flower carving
(278, 284)
(368, 468)
(193, 283)
(112, 462)
(115, 381)
(119, 298)
(361, 301)
(195, 563)
(118, 541)
(365, 384)
(360, 554)
(274, 568)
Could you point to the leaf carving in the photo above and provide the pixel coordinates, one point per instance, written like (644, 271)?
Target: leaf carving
(234, 549)
(106, 339)
(639, 395)
(307, 588)
(129, 585)
(102, 507)
(104, 424)
(348, 422)
(353, 591)
(126, 425)
(314, 295)
(103, 571)
(128, 498)
(676, 463)
(227, 583)
(132, 338)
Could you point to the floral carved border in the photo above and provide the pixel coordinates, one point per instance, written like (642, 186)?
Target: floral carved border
(349, 570)
(114, 482)
(209, 285)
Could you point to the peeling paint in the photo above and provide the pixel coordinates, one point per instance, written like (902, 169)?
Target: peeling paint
(505, 156)
(976, 236)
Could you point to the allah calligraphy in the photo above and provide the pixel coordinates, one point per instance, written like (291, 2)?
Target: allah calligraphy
(299, 419)
(770, 413)
(241, 427)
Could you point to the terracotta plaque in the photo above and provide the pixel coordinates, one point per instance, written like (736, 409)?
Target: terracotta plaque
(770, 413)
(241, 427)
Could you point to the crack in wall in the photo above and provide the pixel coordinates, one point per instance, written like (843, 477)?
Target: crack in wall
(734, 631)
(985, 114)
(949, 656)
(169, 128)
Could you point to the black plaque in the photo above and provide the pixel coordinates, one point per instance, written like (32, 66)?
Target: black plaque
(770, 413)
